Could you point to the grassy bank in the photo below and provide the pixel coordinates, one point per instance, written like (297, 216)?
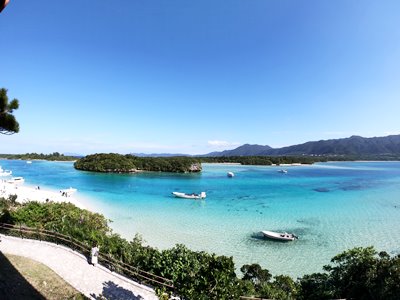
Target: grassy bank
(23, 278)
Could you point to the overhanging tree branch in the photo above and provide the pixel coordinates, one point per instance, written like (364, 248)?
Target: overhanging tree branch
(8, 123)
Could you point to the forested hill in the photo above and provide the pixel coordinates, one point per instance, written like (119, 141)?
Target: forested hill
(244, 150)
(55, 156)
(354, 145)
(117, 163)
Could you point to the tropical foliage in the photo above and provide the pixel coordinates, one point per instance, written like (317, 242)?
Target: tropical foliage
(303, 159)
(30, 156)
(359, 273)
(118, 163)
(262, 160)
(8, 123)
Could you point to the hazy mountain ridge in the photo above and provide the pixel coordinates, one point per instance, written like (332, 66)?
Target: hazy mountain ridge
(354, 145)
(244, 150)
(159, 154)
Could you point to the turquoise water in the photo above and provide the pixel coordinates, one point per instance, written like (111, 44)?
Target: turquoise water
(330, 206)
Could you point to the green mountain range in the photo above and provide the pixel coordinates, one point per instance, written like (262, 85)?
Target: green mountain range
(354, 145)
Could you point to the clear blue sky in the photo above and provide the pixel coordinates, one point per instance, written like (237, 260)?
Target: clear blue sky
(198, 76)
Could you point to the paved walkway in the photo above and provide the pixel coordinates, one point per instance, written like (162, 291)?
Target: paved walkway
(74, 269)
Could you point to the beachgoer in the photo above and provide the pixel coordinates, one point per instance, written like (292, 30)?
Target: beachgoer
(94, 254)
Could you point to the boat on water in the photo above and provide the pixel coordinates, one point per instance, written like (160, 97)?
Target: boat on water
(282, 171)
(202, 195)
(230, 174)
(16, 180)
(28, 161)
(5, 172)
(280, 236)
(68, 192)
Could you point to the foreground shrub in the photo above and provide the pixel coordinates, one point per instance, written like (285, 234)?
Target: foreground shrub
(359, 273)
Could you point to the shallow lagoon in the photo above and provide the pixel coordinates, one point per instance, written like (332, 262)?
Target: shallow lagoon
(330, 206)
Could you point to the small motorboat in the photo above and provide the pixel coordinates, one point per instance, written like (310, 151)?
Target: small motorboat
(230, 174)
(282, 171)
(28, 161)
(280, 236)
(5, 172)
(202, 195)
(16, 180)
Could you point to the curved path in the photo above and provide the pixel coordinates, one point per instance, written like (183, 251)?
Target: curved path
(74, 269)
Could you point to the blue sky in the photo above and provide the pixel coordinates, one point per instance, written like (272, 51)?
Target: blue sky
(198, 76)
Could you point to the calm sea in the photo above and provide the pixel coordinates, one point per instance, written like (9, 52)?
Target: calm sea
(330, 206)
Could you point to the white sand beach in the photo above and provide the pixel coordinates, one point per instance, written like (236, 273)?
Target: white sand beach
(27, 193)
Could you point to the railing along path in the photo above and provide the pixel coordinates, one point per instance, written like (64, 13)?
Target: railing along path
(106, 260)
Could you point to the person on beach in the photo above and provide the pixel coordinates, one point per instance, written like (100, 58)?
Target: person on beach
(94, 253)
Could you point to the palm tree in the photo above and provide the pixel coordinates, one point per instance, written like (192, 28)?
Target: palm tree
(8, 123)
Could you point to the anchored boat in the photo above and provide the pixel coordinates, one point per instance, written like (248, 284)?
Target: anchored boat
(16, 180)
(281, 236)
(202, 195)
(5, 172)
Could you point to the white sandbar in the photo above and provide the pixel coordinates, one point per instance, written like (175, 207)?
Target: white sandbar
(26, 193)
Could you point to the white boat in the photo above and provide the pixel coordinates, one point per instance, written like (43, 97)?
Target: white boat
(282, 171)
(28, 161)
(202, 195)
(230, 174)
(68, 192)
(5, 172)
(16, 180)
(281, 236)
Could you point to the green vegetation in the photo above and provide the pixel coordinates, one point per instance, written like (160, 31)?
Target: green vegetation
(262, 160)
(55, 156)
(129, 163)
(8, 123)
(118, 163)
(359, 273)
(352, 146)
(366, 157)
(303, 159)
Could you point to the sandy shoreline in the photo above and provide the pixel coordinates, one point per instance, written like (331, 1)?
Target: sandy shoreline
(26, 193)
(222, 163)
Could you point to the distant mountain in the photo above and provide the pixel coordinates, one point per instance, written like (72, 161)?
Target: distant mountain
(158, 154)
(73, 154)
(354, 145)
(244, 150)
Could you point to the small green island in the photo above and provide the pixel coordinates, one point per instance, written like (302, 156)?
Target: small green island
(55, 156)
(117, 163)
